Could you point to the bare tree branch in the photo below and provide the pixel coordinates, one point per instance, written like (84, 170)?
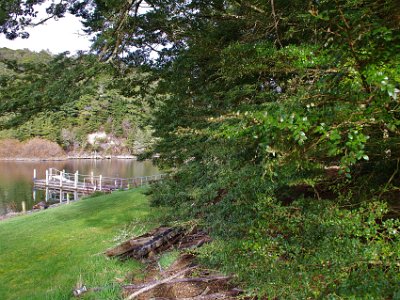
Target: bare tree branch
(275, 23)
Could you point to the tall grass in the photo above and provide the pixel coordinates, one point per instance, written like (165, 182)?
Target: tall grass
(46, 254)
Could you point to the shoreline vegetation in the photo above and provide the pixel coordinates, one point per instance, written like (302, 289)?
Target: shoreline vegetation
(68, 157)
(37, 149)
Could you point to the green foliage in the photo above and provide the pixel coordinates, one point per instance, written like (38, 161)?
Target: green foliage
(315, 250)
(260, 104)
(245, 151)
(167, 259)
(8, 57)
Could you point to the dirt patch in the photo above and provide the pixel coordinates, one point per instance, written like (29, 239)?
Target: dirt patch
(184, 279)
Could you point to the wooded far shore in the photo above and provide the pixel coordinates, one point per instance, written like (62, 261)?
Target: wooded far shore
(41, 149)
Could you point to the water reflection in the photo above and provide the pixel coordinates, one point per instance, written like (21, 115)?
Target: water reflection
(16, 176)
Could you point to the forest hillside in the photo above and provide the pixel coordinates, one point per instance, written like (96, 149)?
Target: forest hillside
(73, 101)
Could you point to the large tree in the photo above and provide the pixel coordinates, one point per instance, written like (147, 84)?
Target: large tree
(280, 120)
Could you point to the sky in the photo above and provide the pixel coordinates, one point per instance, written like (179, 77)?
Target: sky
(55, 36)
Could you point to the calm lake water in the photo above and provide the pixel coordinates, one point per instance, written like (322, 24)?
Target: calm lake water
(16, 177)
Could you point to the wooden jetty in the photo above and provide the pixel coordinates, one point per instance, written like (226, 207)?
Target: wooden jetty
(88, 184)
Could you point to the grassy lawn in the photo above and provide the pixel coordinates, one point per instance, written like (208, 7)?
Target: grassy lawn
(45, 254)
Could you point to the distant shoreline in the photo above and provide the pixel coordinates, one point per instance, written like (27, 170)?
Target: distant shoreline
(98, 157)
(38, 149)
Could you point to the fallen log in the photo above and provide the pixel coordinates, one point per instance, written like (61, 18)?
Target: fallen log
(232, 294)
(142, 246)
(181, 280)
(158, 283)
(217, 296)
(194, 240)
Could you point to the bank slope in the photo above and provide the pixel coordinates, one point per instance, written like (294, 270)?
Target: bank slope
(45, 254)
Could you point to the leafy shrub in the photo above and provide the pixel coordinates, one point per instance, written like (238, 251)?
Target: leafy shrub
(311, 250)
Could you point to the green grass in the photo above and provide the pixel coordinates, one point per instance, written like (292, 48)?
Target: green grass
(44, 255)
(168, 258)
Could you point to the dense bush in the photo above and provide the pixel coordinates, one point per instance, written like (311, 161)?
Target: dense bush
(283, 136)
(315, 250)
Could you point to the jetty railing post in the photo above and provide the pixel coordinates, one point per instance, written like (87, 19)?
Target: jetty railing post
(100, 177)
(47, 177)
(50, 173)
(91, 177)
(34, 175)
(61, 177)
(76, 179)
(67, 198)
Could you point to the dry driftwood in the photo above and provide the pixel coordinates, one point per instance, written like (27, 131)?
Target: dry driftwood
(215, 296)
(194, 240)
(41, 205)
(180, 280)
(143, 245)
(158, 283)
